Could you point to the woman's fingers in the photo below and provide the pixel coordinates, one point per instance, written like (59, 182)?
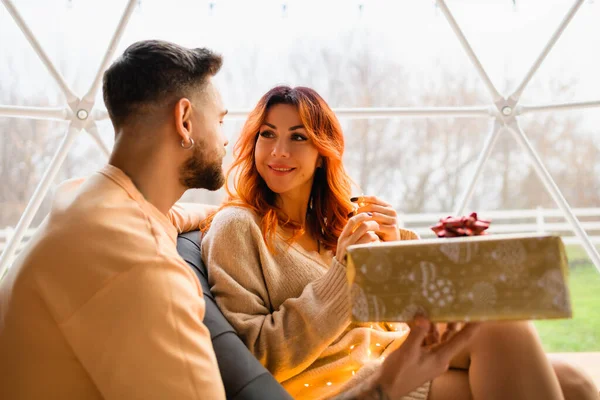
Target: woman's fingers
(361, 229)
(418, 331)
(387, 223)
(455, 344)
(379, 209)
(433, 336)
(412, 364)
(353, 223)
(355, 228)
(369, 199)
(451, 329)
(383, 213)
(388, 233)
(369, 237)
(388, 226)
(383, 219)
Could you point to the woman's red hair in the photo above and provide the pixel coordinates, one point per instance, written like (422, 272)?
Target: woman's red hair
(330, 194)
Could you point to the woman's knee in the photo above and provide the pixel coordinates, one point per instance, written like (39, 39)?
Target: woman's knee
(451, 385)
(507, 331)
(575, 384)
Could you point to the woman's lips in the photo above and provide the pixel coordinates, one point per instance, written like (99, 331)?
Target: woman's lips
(281, 170)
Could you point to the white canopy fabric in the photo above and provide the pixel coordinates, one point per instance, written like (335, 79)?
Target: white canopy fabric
(503, 111)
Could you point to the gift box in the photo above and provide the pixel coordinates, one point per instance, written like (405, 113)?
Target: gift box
(478, 278)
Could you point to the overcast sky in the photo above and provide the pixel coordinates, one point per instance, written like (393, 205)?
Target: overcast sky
(507, 38)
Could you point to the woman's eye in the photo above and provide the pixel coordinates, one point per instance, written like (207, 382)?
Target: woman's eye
(267, 134)
(298, 138)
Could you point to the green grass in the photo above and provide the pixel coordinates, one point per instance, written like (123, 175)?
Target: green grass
(582, 333)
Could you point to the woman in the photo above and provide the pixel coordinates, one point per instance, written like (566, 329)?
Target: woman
(275, 254)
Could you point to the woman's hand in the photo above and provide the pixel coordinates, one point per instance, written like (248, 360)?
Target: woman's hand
(383, 213)
(359, 229)
(447, 331)
(413, 363)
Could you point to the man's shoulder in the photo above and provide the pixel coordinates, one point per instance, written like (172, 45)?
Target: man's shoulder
(72, 259)
(86, 232)
(98, 204)
(91, 218)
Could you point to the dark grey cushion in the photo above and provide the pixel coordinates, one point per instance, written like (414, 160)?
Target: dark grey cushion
(243, 376)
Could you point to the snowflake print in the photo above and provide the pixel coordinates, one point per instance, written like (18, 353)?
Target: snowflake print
(459, 253)
(554, 287)
(510, 256)
(439, 292)
(483, 295)
(360, 305)
(411, 311)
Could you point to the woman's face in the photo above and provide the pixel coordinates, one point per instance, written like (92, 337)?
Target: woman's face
(284, 155)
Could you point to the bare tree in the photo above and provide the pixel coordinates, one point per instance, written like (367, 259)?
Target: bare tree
(424, 165)
(416, 164)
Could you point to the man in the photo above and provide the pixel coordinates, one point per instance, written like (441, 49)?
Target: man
(99, 304)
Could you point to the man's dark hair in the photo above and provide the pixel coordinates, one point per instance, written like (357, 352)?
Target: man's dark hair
(152, 72)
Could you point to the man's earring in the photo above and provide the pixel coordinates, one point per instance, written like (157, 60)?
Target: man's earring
(188, 146)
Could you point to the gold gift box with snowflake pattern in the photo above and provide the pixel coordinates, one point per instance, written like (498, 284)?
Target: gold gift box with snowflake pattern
(491, 277)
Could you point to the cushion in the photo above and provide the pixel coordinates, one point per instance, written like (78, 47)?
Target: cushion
(243, 375)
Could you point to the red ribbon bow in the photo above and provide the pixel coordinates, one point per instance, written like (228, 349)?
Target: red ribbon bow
(460, 226)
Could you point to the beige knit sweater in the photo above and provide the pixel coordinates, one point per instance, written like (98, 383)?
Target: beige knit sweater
(292, 309)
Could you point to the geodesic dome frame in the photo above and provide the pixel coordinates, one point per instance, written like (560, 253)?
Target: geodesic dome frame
(502, 113)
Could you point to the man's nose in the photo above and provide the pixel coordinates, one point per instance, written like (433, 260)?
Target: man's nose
(224, 139)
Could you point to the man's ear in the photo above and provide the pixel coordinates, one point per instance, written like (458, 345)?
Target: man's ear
(183, 119)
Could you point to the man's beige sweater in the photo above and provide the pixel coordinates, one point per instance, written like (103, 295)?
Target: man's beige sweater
(99, 305)
(292, 309)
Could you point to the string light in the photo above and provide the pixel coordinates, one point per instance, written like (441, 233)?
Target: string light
(353, 372)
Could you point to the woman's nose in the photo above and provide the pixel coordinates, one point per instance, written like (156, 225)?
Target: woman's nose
(280, 149)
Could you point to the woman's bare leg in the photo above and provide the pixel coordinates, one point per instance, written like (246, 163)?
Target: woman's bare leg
(452, 385)
(574, 383)
(506, 362)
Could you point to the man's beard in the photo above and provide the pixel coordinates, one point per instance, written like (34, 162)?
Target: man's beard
(198, 173)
